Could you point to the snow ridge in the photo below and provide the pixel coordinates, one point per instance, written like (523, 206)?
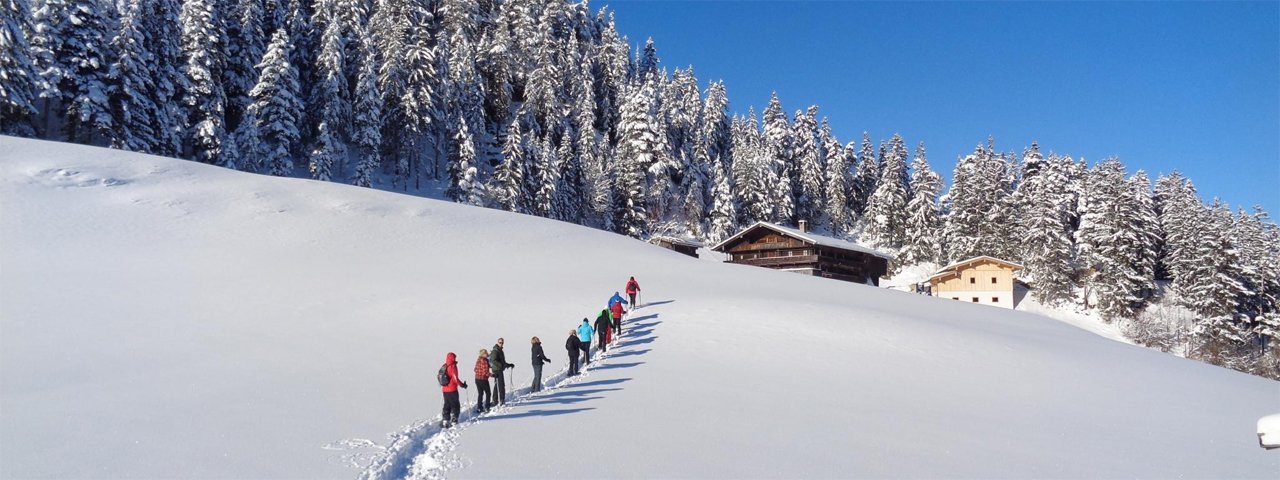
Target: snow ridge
(424, 451)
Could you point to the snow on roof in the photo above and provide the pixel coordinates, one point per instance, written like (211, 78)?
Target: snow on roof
(947, 269)
(808, 237)
(675, 240)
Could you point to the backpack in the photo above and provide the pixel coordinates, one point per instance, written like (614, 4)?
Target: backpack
(443, 376)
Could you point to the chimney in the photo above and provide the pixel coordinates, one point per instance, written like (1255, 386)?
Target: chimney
(804, 226)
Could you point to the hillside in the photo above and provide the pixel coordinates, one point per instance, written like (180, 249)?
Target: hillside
(164, 318)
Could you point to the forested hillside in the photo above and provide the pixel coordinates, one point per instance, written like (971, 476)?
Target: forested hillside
(542, 107)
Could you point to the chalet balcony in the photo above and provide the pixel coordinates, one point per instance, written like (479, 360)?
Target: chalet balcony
(779, 261)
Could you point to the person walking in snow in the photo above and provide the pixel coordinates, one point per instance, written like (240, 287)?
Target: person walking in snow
(617, 312)
(538, 360)
(616, 298)
(449, 417)
(574, 348)
(633, 287)
(484, 398)
(602, 330)
(584, 336)
(608, 320)
(497, 367)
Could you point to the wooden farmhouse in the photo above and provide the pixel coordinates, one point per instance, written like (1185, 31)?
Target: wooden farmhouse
(687, 247)
(984, 280)
(773, 246)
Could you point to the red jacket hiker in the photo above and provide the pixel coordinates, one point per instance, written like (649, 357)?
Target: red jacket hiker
(482, 368)
(617, 310)
(633, 286)
(451, 366)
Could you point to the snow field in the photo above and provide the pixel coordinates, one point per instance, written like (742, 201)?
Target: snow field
(162, 318)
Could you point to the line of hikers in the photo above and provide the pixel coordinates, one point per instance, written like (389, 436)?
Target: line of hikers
(492, 363)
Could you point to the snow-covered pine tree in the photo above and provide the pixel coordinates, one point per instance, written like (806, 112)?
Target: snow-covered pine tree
(1216, 288)
(640, 147)
(724, 214)
(570, 191)
(924, 222)
(276, 106)
(70, 46)
(204, 48)
(547, 180)
(965, 207)
(246, 45)
(1114, 243)
(365, 131)
(836, 183)
(886, 214)
(464, 184)
(1179, 213)
(510, 179)
(19, 88)
(130, 89)
(1048, 250)
(648, 63)
(865, 177)
(330, 91)
(1258, 240)
(779, 146)
(809, 166)
(164, 41)
(422, 89)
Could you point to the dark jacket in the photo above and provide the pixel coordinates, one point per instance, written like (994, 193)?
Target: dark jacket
(497, 360)
(603, 323)
(538, 357)
(573, 345)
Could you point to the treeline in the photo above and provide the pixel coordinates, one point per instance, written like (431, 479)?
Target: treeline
(541, 107)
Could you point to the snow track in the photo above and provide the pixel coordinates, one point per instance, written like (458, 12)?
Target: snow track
(422, 450)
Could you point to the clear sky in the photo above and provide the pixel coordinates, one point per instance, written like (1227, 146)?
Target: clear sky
(1162, 85)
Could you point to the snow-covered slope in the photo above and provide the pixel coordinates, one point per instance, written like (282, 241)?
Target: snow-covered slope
(161, 318)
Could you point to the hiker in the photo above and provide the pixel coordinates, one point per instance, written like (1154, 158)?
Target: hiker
(484, 398)
(497, 366)
(584, 336)
(449, 385)
(617, 312)
(574, 347)
(538, 359)
(633, 287)
(608, 320)
(616, 298)
(602, 330)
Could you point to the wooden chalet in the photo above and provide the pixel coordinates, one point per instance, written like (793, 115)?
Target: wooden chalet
(769, 245)
(982, 280)
(687, 247)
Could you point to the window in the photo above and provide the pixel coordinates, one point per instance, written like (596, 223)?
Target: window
(975, 299)
(995, 299)
(993, 280)
(973, 280)
(955, 298)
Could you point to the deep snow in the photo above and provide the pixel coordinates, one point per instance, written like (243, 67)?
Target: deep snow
(162, 318)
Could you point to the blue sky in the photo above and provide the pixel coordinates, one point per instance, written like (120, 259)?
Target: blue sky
(1162, 85)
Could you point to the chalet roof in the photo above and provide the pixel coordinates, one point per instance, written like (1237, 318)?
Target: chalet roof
(676, 241)
(806, 236)
(952, 267)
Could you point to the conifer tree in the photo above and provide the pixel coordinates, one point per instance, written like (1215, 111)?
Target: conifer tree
(70, 46)
(276, 106)
(923, 223)
(164, 41)
(130, 89)
(510, 188)
(886, 213)
(865, 178)
(640, 147)
(464, 185)
(808, 158)
(19, 88)
(836, 183)
(246, 45)
(779, 146)
(1048, 249)
(365, 132)
(204, 48)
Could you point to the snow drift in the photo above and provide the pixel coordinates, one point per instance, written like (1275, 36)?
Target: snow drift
(162, 318)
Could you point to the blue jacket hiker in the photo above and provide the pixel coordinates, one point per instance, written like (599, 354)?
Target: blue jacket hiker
(584, 335)
(616, 298)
